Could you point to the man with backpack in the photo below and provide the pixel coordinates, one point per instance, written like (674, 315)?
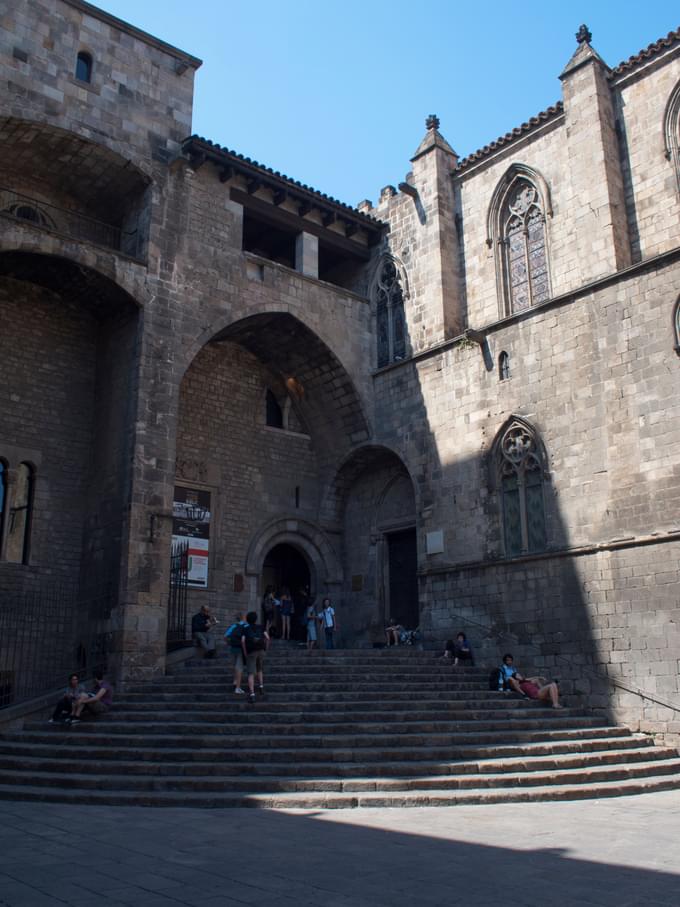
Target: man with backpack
(233, 636)
(254, 643)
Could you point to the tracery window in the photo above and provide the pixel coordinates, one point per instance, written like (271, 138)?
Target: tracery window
(520, 467)
(391, 319)
(526, 266)
(19, 523)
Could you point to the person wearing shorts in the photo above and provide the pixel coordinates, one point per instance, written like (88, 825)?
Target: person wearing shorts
(254, 643)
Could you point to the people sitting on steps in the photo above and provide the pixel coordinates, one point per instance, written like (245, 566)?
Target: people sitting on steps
(98, 701)
(537, 687)
(459, 650)
(202, 624)
(393, 632)
(64, 709)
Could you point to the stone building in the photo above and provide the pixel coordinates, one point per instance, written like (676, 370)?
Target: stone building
(456, 408)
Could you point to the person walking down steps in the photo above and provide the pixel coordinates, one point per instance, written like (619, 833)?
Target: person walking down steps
(328, 622)
(254, 642)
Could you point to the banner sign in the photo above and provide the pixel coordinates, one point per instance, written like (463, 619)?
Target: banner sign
(191, 524)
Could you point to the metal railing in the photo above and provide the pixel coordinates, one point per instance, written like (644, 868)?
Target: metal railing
(47, 634)
(579, 668)
(178, 633)
(60, 220)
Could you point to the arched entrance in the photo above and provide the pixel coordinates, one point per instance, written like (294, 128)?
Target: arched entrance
(372, 502)
(285, 567)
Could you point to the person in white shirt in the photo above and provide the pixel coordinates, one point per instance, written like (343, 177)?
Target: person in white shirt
(329, 623)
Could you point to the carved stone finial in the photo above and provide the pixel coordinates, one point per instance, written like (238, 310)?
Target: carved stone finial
(432, 122)
(583, 35)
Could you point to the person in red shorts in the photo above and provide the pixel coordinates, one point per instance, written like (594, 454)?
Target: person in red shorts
(540, 688)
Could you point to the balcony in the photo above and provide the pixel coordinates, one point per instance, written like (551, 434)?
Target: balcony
(69, 223)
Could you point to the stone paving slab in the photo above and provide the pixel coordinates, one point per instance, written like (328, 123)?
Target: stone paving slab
(607, 853)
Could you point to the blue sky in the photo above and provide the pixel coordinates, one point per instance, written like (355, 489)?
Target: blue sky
(335, 94)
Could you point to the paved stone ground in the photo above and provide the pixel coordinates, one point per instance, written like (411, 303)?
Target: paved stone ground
(618, 852)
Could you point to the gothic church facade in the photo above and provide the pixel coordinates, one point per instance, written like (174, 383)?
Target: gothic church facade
(456, 408)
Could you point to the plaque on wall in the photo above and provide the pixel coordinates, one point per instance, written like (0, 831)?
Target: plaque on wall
(191, 524)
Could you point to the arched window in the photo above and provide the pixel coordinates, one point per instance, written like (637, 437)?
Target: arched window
(84, 67)
(671, 131)
(524, 240)
(503, 366)
(25, 211)
(391, 319)
(3, 497)
(520, 470)
(676, 327)
(516, 227)
(274, 414)
(19, 528)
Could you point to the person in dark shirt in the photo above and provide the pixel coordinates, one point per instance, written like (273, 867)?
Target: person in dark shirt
(254, 643)
(459, 650)
(98, 701)
(201, 631)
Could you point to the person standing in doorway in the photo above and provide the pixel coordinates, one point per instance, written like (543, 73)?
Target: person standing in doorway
(287, 610)
(328, 622)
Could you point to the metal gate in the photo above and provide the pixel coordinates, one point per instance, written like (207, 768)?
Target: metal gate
(178, 634)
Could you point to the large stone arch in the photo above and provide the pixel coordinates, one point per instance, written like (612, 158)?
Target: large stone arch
(68, 386)
(76, 187)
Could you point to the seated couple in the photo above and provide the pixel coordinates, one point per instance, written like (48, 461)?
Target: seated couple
(530, 687)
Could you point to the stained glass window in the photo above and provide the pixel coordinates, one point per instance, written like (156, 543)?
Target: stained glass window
(524, 242)
(391, 318)
(521, 485)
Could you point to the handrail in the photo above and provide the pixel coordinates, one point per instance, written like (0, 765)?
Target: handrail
(583, 669)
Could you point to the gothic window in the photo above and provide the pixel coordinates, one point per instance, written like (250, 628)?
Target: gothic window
(676, 327)
(503, 366)
(524, 240)
(274, 415)
(391, 319)
(520, 470)
(19, 524)
(671, 128)
(84, 67)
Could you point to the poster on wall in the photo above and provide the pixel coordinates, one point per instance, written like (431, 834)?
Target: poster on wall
(191, 524)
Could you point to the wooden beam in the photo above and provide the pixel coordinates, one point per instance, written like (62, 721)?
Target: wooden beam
(253, 185)
(328, 218)
(196, 160)
(304, 208)
(280, 196)
(226, 173)
(285, 220)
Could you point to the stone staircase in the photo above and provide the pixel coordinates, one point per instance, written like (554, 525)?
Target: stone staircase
(335, 729)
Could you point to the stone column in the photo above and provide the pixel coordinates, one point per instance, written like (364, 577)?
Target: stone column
(307, 254)
(596, 204)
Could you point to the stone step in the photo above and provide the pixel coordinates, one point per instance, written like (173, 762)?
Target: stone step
(322, 800)
(363, 721)
(302, 736)
(140, 705)
(337, 700)
(412, 687)
(312, 749)
(345, 764)
(273, 784)
(232, 725)
(81, 763)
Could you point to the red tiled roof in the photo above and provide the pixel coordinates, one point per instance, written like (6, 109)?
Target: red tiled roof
(543, 117)
(673, 37)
